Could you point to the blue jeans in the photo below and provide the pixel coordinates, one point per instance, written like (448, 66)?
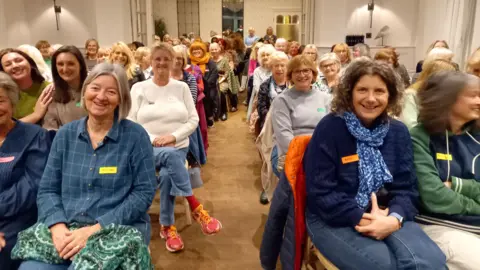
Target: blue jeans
(407, 248)
(174, 179)
(274, 161)
(36, 265)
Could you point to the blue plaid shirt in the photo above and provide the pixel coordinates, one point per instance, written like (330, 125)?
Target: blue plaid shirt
(113, 184)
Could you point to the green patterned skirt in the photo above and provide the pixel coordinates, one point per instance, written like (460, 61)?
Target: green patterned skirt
(116, 247)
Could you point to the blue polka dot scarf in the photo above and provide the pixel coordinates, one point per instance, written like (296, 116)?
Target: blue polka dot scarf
(372, 170)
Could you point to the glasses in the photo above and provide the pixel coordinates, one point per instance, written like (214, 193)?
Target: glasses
(302, 71)
(327, 65)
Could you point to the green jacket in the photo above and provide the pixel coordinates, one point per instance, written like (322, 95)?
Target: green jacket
(454, 158)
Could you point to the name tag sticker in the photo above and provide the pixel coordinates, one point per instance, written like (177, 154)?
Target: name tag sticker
(108, 170)
(350, 159)
(321, 110)
(78, 104)
(441, 156)
(6, 159)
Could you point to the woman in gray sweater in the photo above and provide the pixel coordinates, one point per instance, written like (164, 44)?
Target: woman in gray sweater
(297, 110)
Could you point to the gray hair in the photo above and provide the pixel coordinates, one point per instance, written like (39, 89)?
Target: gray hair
(10, 87)
(280, 40)
(438, 95)
(330, 57)
(117, 72)
(363, 48)
(439, 53)
(266, 48)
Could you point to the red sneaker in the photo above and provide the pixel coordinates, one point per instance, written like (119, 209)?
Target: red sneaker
(208, 224)
(173, 242)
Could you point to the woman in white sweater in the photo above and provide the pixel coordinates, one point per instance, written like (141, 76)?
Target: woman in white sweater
(165, 108)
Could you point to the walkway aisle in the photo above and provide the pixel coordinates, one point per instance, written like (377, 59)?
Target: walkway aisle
(230, 193)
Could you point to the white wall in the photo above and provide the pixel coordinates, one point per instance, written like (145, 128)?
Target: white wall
(27, 21)
(167, 9)
(210, 17)
(476, 28)
(261, 14)
(334, 19)
(77, 23)
(17, 29)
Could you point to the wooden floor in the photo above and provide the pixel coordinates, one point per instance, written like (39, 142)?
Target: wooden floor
(231, 194)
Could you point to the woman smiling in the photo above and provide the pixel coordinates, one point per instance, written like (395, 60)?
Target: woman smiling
(69, 72)
(296, 111)
(356, 151)
(33, 102)
(122, 55)
(99, 179)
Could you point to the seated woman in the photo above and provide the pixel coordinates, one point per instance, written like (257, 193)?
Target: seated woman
(330, 68)
(122, 55)
(260, 75)
(69, 71)
(297, 110)
(99, 175)
(24, 151)
(164, 107)
(409, 114)
(343, 52)
(33, 102)
(445, 145)
(273, 86)
(142, 58)
(356, 151)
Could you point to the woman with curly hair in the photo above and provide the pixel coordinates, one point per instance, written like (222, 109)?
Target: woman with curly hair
(360, 178)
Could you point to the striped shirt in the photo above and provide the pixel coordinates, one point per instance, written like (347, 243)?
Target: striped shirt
(113, 184)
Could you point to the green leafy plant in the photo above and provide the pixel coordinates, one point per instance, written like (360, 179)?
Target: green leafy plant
(160, 27)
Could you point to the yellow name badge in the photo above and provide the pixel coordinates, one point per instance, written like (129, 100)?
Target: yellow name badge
(441, 156)
(108, 170)
(350, 159)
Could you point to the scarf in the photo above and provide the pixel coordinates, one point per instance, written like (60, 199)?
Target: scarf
(372, 170)
(201, 62)
(275, 89)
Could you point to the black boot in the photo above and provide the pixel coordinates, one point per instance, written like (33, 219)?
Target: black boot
(224, 117)
(263, 198)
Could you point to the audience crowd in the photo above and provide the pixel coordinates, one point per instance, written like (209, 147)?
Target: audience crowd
(372, 164)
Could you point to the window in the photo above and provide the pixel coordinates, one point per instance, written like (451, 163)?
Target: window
(139, 20)
(188, 17)
(232, 15)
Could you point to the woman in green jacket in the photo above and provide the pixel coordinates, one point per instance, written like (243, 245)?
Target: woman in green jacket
(445, 156)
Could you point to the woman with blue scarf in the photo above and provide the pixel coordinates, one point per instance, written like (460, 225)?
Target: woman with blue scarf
(361, 185)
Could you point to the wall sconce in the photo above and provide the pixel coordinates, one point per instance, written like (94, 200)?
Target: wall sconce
(58, 10)
(371, 5)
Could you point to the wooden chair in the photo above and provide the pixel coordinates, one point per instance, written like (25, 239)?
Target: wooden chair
(155, 207)
(317, 261)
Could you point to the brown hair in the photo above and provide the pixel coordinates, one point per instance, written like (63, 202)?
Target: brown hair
(34, 73)
(299, 60)
(437, 96)
(42, 43)
(435, 42)
(343, 97)
(431, 68)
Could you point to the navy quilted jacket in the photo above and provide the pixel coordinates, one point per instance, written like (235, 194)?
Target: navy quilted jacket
(279, 234)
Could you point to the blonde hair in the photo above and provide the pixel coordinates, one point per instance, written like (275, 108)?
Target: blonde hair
(163, 46)
(254, 54)
(183, 51)
(141, 52)
(343, 46)
(430, 68)
(435, 43)
(130, 65)
(278, 56)
(473, 61)
(439, 53)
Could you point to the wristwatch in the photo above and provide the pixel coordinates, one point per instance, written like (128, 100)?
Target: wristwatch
(397, 216)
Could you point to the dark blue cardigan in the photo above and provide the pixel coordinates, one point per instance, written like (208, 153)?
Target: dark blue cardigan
(332, 185)
(23, 156)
